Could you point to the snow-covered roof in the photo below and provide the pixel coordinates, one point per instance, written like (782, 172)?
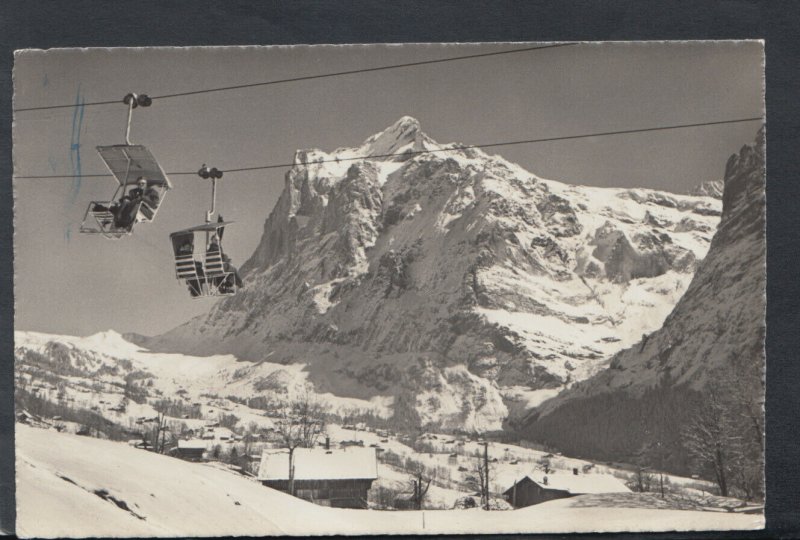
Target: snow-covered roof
(194, 444)
(320, 464)
(218, 432)
(579, 484)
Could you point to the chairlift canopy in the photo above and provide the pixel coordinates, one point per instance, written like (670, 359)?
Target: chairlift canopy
(129, 162)
(206, 227)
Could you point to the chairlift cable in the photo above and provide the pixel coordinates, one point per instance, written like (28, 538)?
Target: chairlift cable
(508, 143)
(305, 78)
(160, 251)
(438, 150)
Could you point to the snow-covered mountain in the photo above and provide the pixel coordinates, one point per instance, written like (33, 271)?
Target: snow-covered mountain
(98, 371)
(711, 188)
(713, 337)
(454, 282)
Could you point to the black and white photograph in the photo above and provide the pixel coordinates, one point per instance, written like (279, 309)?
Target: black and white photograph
(441, 288)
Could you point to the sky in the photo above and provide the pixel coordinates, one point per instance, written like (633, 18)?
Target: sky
(68, 283)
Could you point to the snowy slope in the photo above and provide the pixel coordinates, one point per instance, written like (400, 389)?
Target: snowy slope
(93, 371)
(70, 486)
(455, 271)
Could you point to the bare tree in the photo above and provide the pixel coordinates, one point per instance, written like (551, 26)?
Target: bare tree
(299, 424)
(641, 481)
(726, 434)
(710, 438)
(419, 492)
(157, 440)
(479, 481)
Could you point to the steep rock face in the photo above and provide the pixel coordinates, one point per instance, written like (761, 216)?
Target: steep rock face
(496, 281)
(716, 330)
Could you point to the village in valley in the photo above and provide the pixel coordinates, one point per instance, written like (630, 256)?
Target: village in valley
(325, 450)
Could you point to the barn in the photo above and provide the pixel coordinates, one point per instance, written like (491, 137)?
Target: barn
(540, 488)
(339, 478)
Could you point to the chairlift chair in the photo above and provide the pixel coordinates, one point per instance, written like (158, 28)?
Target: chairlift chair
(127, 163)
(206, 272)
(200, 261)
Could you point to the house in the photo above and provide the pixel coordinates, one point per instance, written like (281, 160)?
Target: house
(534, 490)
(191, 450)
(219, 434)
(329, 477)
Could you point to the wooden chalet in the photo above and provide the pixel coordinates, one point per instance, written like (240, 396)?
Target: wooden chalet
(191, 450)
(340, 477)
(541, 488)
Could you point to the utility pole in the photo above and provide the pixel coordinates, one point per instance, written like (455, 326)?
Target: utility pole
(485, 474)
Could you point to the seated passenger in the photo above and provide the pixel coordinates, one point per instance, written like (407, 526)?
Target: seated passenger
(196, 285)
(232, 277)
(131, 204)
(213, 245)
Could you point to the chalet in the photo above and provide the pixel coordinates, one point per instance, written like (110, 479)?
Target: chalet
(191, 450)
(529, 491)
(339, 478)
(218, 434)
(345, 444)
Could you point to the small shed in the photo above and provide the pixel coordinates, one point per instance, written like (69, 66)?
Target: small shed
(541, 488)
(339, 477)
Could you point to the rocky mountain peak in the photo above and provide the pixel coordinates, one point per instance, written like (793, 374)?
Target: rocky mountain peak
(743, 182)
(501, 283)
(405, 134)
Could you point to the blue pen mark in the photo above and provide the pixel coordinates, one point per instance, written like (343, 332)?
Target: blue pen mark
(46, 81)
(75, 154)
(75, 144)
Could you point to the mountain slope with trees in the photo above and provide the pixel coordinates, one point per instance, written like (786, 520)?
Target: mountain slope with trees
(688, 397)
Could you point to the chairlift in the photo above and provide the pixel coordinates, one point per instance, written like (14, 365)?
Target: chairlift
(132, 165)
(200, 261)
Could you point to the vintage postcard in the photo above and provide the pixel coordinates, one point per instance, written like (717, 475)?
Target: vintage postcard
(390, 289)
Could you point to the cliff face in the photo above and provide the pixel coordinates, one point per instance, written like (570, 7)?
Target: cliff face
(715, 332)
(459, 284)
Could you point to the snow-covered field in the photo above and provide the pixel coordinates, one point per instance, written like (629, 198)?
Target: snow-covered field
(72, 486)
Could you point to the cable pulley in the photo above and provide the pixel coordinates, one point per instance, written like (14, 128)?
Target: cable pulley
(206, 173)
(134, 100)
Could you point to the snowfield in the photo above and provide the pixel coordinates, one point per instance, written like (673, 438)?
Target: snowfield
(72, 486)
